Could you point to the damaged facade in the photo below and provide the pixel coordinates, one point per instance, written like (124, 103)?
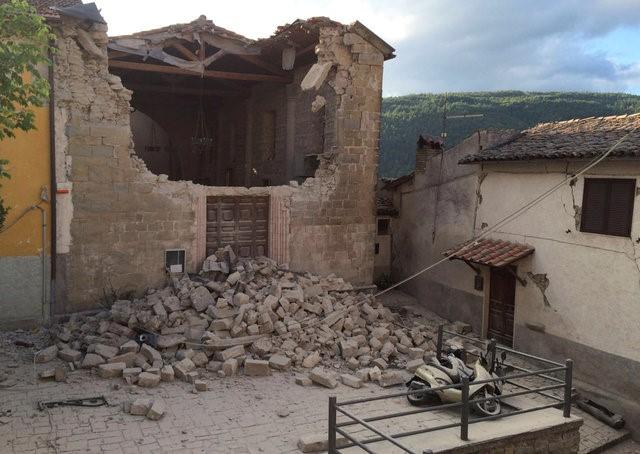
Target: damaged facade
(560, 281)
(191, 137)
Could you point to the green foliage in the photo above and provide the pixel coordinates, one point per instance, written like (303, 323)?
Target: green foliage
(404, 117)
(24, 44)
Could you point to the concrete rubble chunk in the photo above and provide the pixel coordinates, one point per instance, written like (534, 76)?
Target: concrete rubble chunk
(130, 346)
(320, 376)
(229, 353)
(303, 380)
(111, 370)
(182, 368)
(414, 364)
(157, 410)
(106, 351)
(200, 385)
(46, 355)
(316, 76)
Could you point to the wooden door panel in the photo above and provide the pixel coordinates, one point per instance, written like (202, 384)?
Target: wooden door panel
(239, 222)
(501, 306)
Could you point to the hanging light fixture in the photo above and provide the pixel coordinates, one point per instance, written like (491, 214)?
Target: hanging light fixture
(201, 141)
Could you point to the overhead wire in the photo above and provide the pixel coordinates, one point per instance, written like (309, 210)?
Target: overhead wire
(517, 213)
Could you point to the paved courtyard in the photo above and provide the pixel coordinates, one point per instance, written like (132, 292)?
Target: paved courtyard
(237, 415)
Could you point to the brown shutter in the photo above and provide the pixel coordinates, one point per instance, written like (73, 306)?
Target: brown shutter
(594, 205)
(620, 209)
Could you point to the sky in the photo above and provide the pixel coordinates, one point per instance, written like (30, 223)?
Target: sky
(446, 45)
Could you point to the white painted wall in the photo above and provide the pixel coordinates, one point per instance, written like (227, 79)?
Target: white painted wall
(594, 280)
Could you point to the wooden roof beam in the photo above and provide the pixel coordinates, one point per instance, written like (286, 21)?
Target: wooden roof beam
(184, 51)
(159, 88)
(261, 63)
(210, 74)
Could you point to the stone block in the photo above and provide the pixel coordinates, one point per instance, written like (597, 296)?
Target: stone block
(167, 373)
(157, 410)
(414, 364)
(201, 299)
(391, 378)
(111, 370)
(150, 353)
(231, 352)
(320, 376)
(182, 368)
(69, 355)
(303, 380)
(311, 360)
(128, 358)
(170, 340)
(200, 385)
(130, 347)
(230, 367)
(279, 362)
(46, 355)
(318, 442)
(106, 351)
(140, 407)
(351, 381)
(256, 368)
(148, 380)
(91, 360)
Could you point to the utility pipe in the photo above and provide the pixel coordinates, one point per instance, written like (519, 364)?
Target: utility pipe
(43, 216)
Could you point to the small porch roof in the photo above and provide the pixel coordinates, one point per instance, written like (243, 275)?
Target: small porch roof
(495, 253)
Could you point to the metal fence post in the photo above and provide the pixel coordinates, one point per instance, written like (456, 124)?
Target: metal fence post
(492, 350)
(439, 342)
(568, 379)
(464, 410)
(332, 425)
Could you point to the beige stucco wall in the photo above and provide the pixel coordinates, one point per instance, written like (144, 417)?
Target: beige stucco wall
(593, 293)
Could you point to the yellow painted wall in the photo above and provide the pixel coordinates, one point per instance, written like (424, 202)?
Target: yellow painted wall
(29, 165)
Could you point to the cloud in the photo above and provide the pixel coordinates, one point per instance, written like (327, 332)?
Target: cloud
(444, 45)
(497, 45)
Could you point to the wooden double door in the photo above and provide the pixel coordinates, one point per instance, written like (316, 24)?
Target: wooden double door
(502, 295)
(241, 222)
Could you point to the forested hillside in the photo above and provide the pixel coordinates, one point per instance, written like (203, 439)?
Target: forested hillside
(404, 117)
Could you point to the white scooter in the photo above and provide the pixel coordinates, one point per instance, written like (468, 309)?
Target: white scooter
(450, 370)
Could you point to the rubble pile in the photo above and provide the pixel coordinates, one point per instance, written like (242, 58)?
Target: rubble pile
(244, 313)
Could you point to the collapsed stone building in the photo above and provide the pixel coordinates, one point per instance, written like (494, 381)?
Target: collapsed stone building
(170, 143)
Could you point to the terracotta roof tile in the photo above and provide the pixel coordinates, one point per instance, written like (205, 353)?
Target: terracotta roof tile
(496, 253)
(583, 138)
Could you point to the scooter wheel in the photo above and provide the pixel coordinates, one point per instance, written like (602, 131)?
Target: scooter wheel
(489, 407)
(423, 398)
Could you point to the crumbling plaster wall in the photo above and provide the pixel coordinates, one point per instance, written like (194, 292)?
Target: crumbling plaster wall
(120, 217)
(437, 212)
(582, 287)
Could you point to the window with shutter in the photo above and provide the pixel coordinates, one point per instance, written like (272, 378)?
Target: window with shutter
(607, 206)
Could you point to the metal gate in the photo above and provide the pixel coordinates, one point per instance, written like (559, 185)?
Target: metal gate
(240, 222)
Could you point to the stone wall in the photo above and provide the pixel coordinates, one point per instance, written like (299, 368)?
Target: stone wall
(123, 217)
(120, 217)
(559, 439)
(333, 217)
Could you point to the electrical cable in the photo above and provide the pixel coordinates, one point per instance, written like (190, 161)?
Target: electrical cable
(23, 214)
(515, 214)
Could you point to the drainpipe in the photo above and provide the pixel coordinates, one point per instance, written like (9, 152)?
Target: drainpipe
(43, 215)
(52, 203)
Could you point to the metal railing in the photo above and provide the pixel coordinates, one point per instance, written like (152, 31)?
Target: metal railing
(464, 405)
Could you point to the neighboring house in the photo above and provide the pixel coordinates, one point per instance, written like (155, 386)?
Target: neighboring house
(386, 212)
(560, 281)
(25, 240)
(270, 146)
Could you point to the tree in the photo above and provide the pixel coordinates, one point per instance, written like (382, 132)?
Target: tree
(25, 43)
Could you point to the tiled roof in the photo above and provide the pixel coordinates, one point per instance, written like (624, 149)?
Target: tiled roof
(583, 138)
(496, 253)
(44, 6)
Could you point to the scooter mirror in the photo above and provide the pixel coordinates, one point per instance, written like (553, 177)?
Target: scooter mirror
(503, 356)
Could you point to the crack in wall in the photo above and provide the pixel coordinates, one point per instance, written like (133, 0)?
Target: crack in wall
(542, 282)
(577, 210)
(481, 177)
